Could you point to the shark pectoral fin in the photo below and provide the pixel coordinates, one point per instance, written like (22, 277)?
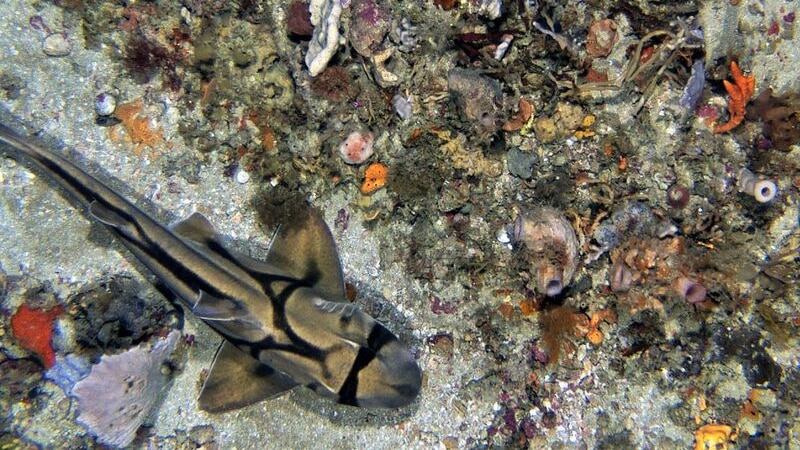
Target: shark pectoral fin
(209, 307)
(305, 250)
(105, 215)
(195, 227)
(237, 380)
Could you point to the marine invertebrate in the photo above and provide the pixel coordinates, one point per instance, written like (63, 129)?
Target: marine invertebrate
(129, 385)
(555, 326)
(404, 35)
(334, 84)
(762, 189)
(34, 330)
(692, 291)
(369, 23)
(403, 106)
(740, 91)
(780, 118)
(552, 245)
(477, 97)
(105, 104)
(144, 57)
(521, 118)
(137, 127)
(620, 276)
(713, 437)
(324, 41)
(298, 19)
(693, 91)
(601, 38)
(678, 196)
(357, 147)
(374, 178)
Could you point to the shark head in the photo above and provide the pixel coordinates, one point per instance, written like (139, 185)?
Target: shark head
(360, 363)
(389, 378)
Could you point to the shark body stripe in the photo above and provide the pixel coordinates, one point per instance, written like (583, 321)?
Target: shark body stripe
(287, 315)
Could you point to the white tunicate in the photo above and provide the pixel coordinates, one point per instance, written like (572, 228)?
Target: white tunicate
(762, 189)
(502, 236)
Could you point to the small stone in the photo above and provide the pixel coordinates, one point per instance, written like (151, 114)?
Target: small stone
(242, 176)
(202, 434)
(56, 44)
(502, 236)
(105, 104)
(520, 163)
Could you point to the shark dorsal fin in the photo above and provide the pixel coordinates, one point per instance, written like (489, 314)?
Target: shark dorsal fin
(201, 233)
(195, 227)
(304, 249)
(237, 380)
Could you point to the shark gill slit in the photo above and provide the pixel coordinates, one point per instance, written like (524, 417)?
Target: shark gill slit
(378, 337)
(280, 322)
(263, 279)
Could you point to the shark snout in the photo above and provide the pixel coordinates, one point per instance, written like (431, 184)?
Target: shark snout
(391, 380)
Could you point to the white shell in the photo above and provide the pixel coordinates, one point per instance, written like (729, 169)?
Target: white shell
(56, 44)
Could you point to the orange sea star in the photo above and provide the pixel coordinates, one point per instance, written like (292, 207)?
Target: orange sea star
(740, 91)
(138, 127)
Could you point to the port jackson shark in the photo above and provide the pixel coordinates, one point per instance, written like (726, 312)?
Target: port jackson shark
(285, 320)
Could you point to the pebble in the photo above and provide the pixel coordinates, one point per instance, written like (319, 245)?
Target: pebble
(502, 236)
(105, 104)
(242, 176)
(56, 44)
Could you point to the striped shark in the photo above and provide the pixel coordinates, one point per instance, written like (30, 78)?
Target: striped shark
(285, 320)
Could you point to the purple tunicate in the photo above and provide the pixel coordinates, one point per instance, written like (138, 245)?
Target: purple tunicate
(694, 87)
(370, 23)
(692, 291)
(621, 277)
(439, 306)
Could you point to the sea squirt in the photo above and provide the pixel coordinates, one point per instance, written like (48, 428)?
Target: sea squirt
(551, 246)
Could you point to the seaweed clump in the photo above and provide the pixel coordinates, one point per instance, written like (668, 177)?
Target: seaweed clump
(556, 325)
(780, 117)
(418, 175)
(144, 57)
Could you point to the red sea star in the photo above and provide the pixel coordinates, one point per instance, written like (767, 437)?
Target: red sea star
(740, 91)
